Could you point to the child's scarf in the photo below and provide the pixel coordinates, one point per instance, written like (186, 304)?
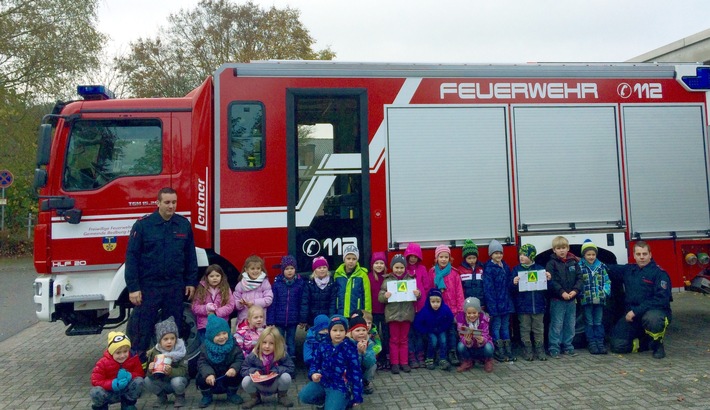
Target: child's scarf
(250, 284)
(322, 283)
(440, 274)
(267, 360)
(218, 353)
(179, 351)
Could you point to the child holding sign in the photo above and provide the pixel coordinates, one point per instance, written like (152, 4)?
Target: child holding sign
(398, 315)
(530, 305)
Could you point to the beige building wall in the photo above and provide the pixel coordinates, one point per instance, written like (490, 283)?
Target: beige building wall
(691, 49)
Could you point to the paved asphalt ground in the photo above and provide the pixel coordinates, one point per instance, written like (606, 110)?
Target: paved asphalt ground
(41, 368)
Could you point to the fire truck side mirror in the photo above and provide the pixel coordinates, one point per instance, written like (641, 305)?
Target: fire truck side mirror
(44, 142)
(61, 203)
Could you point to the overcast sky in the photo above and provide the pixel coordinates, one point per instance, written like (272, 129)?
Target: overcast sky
(457, 31)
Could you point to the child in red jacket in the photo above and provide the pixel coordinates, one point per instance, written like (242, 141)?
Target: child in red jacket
(117, 376)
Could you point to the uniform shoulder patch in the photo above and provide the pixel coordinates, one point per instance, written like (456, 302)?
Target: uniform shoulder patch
(664, 284)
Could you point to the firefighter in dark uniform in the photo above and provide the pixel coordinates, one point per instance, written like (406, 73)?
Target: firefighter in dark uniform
(647, 303)
(161, 268)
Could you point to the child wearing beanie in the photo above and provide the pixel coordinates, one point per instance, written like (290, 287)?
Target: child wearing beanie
(117, 375)
(378, 270)
(399, 315)
(474, 338)
(285, 311)
(471, 272)
(596, 288)
(530, 306)
(319, 293)
(171, 351)
(448, 281)
(219, 363)
(497, 285)
(366, 353)
(330, 362)
(353, 283)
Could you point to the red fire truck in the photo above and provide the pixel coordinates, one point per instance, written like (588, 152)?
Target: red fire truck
(271, 158)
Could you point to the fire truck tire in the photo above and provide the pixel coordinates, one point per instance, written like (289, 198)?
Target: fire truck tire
(189, 328)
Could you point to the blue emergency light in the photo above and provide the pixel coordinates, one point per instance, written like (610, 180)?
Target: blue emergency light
(699, 82)
(95, 92)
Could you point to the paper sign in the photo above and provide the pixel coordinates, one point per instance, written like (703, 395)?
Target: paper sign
(532, 280)
(259, 378)
(402, 290)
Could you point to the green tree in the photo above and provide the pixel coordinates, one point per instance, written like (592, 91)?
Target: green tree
(198, 41)
(44, 44)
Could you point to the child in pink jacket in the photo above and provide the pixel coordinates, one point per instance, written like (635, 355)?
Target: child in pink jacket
(253, 289)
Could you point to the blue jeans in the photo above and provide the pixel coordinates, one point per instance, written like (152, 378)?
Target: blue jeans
(475, 353)
(416, 341)
(315, 393)
(593, 322)
(289, 334)
(437, 341)
(562, 325)
(500, 327)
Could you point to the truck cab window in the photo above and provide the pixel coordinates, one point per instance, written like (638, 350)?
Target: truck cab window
(100, 151)
(246, 136)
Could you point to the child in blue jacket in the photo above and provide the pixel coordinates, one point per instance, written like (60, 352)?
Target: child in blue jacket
(434, 321)
(285, 310)
(316, 335)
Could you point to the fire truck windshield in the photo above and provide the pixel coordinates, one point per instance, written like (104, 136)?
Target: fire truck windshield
(101, 151)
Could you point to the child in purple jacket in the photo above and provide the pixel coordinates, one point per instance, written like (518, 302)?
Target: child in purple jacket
(475, 339)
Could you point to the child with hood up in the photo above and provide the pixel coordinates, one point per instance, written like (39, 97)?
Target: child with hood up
(316, 335)
(173, 379)
(117, 376)
(285, 311)
(434, 321)
(416, 269)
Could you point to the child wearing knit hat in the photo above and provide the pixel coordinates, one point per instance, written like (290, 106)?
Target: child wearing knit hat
(320, 293)
(378, 264)
(330, 362)
(474, 337)
(169, 353)
(497, 285)
(359, 334)
(471, 272)
(530, 306)
(219, 363)
(117, 375)
(399, 315)
(353, 283)
(448, 281)
(316, 335)
(596, 288)
(284, 312)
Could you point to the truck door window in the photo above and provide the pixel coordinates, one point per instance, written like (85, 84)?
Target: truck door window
(246, 136)
(100, 151)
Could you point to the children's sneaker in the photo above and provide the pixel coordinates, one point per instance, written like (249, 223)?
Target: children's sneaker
(453, 358)
(395, 369)
(180, 400)
(571, 353)
(429, 363)
(162, 400)
(367, 388)
(444, 364)
(555, 354)
(234, 398)
(406, 368)
(206, 400)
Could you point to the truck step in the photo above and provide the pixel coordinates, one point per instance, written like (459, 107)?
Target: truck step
(83, 330)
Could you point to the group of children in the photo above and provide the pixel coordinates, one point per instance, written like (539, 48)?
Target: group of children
(354, 329)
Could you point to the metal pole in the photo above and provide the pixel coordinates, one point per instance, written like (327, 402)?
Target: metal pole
(29, 225)
(2, 220)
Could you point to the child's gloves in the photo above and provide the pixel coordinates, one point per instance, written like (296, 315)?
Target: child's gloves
(119, 384)
(124, 374)
(211, 307)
